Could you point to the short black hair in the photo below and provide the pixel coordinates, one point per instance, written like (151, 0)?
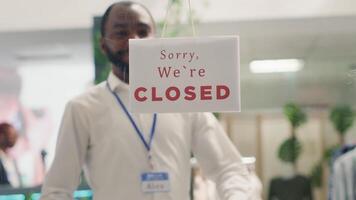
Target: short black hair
(105, 17)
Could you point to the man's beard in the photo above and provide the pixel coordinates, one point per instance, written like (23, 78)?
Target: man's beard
(115, 59)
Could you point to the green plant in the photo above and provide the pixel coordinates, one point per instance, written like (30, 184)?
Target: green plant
(328, 153)
(342, 117)
(102, 64)
(317, 171)
(291, 148)
(295, 115)
(316, 175)
(176, 13)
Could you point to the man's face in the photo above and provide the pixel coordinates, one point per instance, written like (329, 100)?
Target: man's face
(8, 138)
(125, 23)
(11, 137)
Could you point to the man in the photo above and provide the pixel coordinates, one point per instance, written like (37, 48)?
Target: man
(33, 130)
(137, 156)
(9, 174)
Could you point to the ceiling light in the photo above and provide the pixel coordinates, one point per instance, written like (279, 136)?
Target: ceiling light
(39, 53)
(276, 66)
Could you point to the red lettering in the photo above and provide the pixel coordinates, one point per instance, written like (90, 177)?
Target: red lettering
(220, 89)
(169, 96)
(154, 95)
(137, 96)
(190, 95)
(205, 92)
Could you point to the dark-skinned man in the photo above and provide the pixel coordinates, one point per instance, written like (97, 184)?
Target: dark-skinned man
(9, 174)
(129, 156)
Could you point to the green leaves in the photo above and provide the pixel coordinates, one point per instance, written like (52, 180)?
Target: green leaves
(342, 118)
(316, 175)
(290, 150)
(295, 115)
(102, 64)
(175, 1)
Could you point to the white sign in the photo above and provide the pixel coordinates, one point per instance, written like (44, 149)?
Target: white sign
(155, 182)
(184, 74)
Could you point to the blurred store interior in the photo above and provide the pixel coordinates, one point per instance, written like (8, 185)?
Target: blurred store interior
(47, 57)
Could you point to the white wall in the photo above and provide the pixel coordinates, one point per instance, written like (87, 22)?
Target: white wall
(65, 14)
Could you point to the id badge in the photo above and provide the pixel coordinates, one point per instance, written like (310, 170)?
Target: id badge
(155, 182)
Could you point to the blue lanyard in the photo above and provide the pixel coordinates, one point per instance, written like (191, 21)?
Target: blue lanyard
(139, 133)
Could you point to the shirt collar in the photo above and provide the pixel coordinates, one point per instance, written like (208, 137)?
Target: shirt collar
(116, 84)
(2, 154)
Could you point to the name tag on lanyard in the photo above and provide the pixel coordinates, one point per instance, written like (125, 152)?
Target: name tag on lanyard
(155, 182)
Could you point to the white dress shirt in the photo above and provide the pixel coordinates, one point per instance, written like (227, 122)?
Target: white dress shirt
(344, 176)
(96, 133)
(11, 169)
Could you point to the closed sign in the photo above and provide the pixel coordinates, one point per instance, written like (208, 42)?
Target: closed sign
(185, 75)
